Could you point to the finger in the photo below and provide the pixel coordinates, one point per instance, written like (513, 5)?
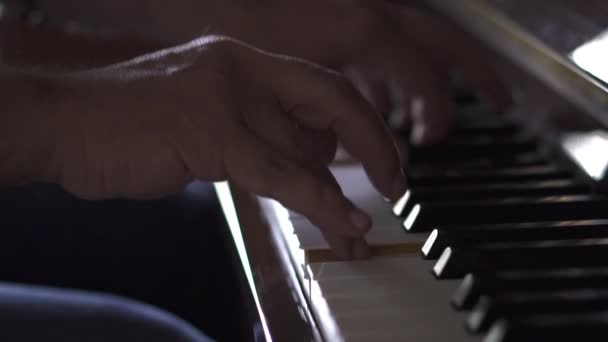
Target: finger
(374, 90)
(259, 168)
(426, 91)
(361, 249)
(341, 246)
(379, 96)
(316, 144)
(338, 106)
(416, 90)
(454, 47)
(262, 114)
(402, 147)
(430, 113)
(400, 117)
(344, 247)
(281, 134)
(347, 248)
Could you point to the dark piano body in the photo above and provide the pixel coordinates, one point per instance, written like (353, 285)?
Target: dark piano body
(513, 206)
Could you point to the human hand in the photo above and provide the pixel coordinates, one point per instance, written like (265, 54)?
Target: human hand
(217, 109)
(398, 56)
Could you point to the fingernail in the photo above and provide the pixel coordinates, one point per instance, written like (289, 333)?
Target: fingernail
(361, 249)
(360, 220)
(399, 186)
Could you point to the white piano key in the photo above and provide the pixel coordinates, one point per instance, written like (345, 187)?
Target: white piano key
(360, 269)
(378, 225)
(366, 285)
(396, 298)
(380, 221)
(356, 185)
(372, 205)
(407, 325)
(313, 239)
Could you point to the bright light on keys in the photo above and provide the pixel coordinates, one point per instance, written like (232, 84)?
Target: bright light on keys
(400, 205)
(429, 242)
(442, 261)
(588, 150)
(592, 57)
(411, 218)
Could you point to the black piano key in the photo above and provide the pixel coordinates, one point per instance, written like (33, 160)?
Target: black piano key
(466, 141)
(468, 236)
(537, 255)
(489, 191)
(462, 97)
(428, 215)
(419, 175)
(476, 141)
(486, 162)
(495, 126)
(555, 328)
(466, 151)
(510, 305)
(478, 164)
(473, 286)
(496, 175)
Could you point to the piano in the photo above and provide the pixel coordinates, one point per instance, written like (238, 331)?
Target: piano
(503, 233)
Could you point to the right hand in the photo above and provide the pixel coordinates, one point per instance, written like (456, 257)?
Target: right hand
(216, 109)
(399, 55)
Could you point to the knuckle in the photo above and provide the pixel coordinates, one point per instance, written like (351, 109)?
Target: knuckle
(217, 46)
(222, 52)
(270, 179)
(220, 42)
(343, 85)
(342, 82)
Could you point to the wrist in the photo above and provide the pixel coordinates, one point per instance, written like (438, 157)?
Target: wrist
(271, 26)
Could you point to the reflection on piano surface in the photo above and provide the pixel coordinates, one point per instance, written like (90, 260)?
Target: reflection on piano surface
(502, 235)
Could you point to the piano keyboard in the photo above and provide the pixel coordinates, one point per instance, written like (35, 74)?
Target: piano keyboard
(492, 242)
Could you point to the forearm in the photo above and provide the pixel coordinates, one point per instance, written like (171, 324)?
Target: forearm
(25, 45)
(281, 26)
(26, 133)
(29, 100)
(170, 22)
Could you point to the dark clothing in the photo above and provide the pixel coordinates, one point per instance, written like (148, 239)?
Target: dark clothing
(33, 314)
(173, 253)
